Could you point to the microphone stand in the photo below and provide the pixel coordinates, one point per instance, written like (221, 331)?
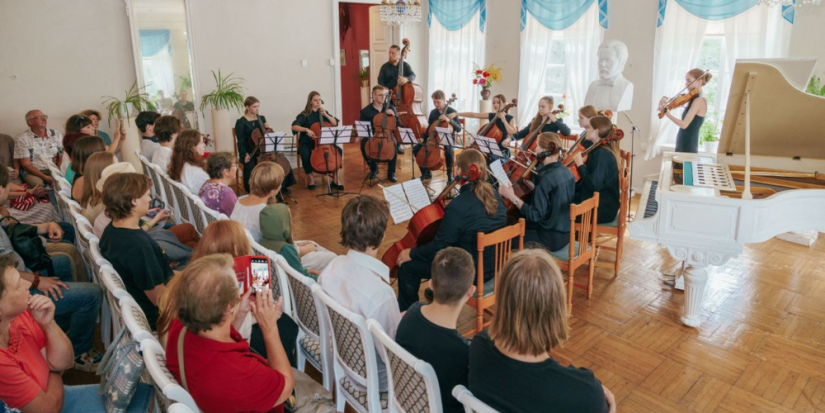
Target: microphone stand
(632, 159)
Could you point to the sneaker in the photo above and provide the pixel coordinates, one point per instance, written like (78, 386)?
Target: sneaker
(88, 361)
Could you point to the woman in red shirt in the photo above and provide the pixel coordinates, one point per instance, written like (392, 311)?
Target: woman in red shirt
(219, 370)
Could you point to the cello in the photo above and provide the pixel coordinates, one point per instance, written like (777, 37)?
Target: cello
(491, 129)
(432, 155)
(380, 147)
(518, 168)
(257, 141)
(409, 98)
(325, 159)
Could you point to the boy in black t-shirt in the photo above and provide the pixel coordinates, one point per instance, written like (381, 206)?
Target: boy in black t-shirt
(136, 257)
(429, 331)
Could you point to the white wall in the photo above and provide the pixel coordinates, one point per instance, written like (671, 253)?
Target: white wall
(419, 56)
(808, 36)
(61, 57)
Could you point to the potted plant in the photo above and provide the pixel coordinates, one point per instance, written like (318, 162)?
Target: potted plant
(709, 134)
(228, 94)
(484, 77)
(364, 78)
(815, 86)
(135, 101)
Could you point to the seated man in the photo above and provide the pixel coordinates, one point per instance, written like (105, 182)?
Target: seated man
(145, 122)
(138, 259)
(77, 303)
(379, 97)
(359, 281)
(37, 140)
(429, 331)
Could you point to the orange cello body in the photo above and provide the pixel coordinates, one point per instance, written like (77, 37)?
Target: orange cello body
(421, 230)
(325, 159)
(431, 156)
(409, 98)
(381, 146)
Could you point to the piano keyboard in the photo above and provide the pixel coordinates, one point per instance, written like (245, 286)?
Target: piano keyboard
(651, 206)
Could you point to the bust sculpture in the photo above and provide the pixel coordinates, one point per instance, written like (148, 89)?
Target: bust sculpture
(611, 91)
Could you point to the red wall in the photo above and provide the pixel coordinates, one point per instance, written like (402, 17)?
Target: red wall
(356, 38)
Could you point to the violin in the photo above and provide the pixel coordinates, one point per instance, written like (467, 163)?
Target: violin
(380, 147)
(409, 98)
(325, 159)
(681, 98)
(569, 160)
(491, 129)
(432, 155)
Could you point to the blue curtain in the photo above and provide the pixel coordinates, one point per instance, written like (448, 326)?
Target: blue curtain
(153, 41)
(718, 9)
(559, 14)
(455, 14)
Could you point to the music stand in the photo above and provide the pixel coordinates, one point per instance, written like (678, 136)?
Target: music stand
(363, 129)
(408, 138)
(446, 138)
(333, 136)
(487, 145)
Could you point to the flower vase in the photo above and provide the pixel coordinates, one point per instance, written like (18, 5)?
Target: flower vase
(485, 93)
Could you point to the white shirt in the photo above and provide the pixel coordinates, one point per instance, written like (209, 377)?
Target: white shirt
(161, 157)
(249, 217)
(27, 145)
(193, 177)
(147, 148)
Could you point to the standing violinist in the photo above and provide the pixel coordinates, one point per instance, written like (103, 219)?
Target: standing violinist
(601, 171)
(687, 139)
(548, 213)
(441, 113)
(313, 113)
(503, 120)
(477, 208)
(246, 150)
(379, 105)
(553, 124)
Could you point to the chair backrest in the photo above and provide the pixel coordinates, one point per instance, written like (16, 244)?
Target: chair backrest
(135, 320)
(167, 388)
(410, 378)
(470, 402)
(112, 283)
(305, 311)
(96, 257)
(180, 407)
(587, 214)
(84, 233)
(500, 242)
(278, 282)
(350, 339)
(180, 192)
(157, 182)
(171, 203)
(197, 215)
(147, 170)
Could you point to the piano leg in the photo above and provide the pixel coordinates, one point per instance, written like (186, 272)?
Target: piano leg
(695, 280)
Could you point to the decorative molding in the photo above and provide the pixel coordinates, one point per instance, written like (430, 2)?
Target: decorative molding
(698, 257)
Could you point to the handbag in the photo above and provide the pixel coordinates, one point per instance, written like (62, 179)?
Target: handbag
(28, 245)
(120, 371)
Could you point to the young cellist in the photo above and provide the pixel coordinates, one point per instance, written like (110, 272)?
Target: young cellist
(379, 105)
(436, 116)
(687, 139)
(601, 171)
(545, 112)
(477, 208)
(503, 119)
(548, 213)
(313, 113)
(247, 155)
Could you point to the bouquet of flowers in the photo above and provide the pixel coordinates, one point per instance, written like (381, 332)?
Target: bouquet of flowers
(485, 76)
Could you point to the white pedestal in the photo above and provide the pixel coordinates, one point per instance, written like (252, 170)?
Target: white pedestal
(131, 144)
(222, 130)
(695, 280)
(484, 106)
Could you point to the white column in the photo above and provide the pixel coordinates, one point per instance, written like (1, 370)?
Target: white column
(696, 278)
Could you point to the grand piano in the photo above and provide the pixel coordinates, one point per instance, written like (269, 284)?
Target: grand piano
(765, 179)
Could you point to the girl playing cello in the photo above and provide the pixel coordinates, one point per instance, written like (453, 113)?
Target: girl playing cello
(553, 124)
(314, 112)
(504, 121)
(244, 126)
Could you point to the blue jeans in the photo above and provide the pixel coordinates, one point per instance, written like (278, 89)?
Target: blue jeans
(86, 399)
(76, 312)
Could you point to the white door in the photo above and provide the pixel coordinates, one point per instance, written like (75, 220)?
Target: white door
(381, 36)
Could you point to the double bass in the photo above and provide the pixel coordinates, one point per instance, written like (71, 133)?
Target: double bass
(431, 156)
(325, 159)
(409, 98)
(380, 147)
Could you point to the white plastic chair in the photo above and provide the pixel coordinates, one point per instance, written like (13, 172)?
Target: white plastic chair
(135, 319)
(470, 402)
(409, 377)
(169, 194)
(180, 191)
(167, 389)
(277, 280)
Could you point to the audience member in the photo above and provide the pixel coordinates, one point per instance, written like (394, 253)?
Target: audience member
(216, 193)
(30, 205)
(85, 188)
(36, 141)
(182, 107)
(77, 126)
(430, 333)
(166, 131)
(359, 281)
(7, 158)
(187, 162)
(145, 122)
(510, 364)
(217, 366)
(81, 151)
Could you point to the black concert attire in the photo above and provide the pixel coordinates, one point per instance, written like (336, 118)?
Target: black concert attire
(548, 213)
(388, 75)
(305, 143)
(448, 150)
(243, 135)
(504, 135)
(367, 115)
(687, 139)
(600, 174)
(558, 127)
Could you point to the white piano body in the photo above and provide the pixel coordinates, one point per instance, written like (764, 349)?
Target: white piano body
(699, 225)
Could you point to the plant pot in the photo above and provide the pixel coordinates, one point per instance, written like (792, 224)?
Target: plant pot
(222, 130)
(131, 144)
(485, 93)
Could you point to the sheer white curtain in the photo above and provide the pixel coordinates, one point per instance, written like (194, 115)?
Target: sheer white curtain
(677, 47)
(452, 55)
(581, 45)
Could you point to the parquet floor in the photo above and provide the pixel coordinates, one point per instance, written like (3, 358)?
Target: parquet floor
(761, 347)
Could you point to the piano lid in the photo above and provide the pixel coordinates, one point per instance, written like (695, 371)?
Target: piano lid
(786, 122)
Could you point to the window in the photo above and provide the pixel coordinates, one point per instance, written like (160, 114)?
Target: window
(555, 79)
(711, 58)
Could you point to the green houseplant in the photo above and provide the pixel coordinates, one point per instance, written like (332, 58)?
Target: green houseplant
(815, 86)
(364, 75)
(135, 96)
(185, 83)
(228, 94)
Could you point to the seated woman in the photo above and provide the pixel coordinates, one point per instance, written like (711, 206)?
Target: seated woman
(229, 237)
(187, 162)
(30, 205)
(166, 129)
(90, 195)
(548, 213)
(510, 364)
(264, 184)
(34, 353)
(216, 193)
(81, 151)
(601, 171)
(216, 364)
(77, 126)
(504, 121)
(313, 113)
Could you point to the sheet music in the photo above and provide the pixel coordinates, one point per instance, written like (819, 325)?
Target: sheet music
(407, 136)
(363, 128)
(399, 209)
(499, 174)
(336, 135)
(445, 136)
(488, 145)
(274, 141)
(416, 193)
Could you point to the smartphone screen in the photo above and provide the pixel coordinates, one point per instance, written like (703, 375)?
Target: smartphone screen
(259, 270)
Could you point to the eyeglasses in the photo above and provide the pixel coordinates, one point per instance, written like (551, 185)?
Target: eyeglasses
(41, 117)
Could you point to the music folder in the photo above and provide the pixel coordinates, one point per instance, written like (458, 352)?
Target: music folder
(406, 199)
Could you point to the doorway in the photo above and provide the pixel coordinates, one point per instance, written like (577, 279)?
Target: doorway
(354, 38)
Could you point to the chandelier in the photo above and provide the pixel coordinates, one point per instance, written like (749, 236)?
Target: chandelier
(401, 12)
(788, 3)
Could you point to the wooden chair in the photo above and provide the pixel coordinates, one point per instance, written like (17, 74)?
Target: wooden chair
(582, 246)
(485, 296)
(238, 176)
